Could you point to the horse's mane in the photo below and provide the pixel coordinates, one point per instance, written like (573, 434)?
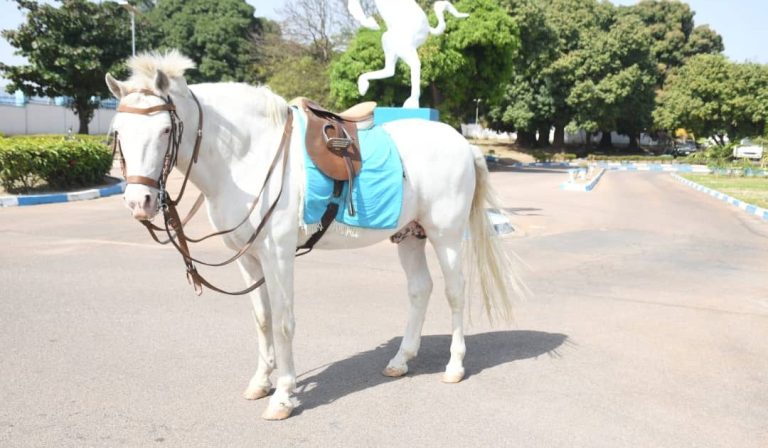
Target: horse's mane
(145, 65)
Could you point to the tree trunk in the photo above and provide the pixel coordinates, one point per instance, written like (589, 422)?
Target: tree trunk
(720, 139)
(605, 140)
(559, 137)
(634, 141)
(588, 141)
(544, 136)
(437, 96)
(526, 139)
(84, 111)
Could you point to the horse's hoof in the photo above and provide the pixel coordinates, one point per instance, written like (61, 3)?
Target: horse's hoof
(280, 412)
(453, 377)
(394, 372)
(256, 393)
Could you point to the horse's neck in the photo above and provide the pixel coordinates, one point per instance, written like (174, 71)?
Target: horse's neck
(233, 143)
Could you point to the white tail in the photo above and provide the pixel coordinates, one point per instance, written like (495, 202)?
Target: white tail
(440, 8)
(486, 252)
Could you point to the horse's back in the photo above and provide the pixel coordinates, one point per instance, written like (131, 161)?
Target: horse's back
(439, 167)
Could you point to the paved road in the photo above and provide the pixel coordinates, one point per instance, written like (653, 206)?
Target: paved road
(649, 328)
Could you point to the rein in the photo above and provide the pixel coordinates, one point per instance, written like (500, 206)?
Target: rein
(173, 224)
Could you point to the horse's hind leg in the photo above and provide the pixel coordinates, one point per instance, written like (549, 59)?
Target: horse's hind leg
(414, 262)
(259, 385)
(448, 252)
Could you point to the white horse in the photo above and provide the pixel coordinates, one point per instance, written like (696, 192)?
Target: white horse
(407, 30)
(445, 191)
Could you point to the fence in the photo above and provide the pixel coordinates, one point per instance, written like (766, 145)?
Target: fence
(19, 115)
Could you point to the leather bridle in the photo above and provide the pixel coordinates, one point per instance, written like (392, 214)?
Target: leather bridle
(173, 224)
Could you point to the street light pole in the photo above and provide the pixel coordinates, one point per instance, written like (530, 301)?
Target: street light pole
(132, 10)
(477, 109)
(133, 33)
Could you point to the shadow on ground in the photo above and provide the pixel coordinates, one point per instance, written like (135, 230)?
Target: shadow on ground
(363, 370)
(496, 167)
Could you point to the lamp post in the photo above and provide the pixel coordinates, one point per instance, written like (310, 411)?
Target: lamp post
(132, 10)
(477, 109)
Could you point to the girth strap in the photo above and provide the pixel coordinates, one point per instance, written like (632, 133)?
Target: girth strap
(325, 221)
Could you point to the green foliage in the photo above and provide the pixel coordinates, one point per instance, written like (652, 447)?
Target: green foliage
(216, 35)
(59, 162)
(70, 47)
(541, 156)
(526, 103)
(363, 55)
(301, 76)
(712, 96)
(614, 79)
(470, 61)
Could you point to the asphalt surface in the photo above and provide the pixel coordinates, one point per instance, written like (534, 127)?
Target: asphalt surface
(648, 328)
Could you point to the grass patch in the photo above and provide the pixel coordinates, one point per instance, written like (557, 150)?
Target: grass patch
(753, 190)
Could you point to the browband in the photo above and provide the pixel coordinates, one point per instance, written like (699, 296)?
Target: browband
(146, 110)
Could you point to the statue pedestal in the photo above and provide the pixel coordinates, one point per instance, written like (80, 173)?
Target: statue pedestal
(383, 115)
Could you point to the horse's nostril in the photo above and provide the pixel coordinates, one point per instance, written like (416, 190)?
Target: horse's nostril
(147, 198)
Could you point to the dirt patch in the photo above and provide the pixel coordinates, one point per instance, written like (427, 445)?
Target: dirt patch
(507, 152)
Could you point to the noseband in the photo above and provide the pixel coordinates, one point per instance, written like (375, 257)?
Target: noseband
(174, 225)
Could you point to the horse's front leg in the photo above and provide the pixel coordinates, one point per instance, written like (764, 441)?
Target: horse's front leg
(278, 265)
(259, 386)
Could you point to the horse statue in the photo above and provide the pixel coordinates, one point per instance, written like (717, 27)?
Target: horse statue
(238, 145)
(407, 30)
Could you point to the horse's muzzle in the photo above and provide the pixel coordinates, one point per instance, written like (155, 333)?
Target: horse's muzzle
(142, 201)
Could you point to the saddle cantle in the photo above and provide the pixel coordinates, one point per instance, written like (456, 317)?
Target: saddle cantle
(332, 142)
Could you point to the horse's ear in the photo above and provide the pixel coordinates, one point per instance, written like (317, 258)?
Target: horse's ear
(115, 86)
(162, 83)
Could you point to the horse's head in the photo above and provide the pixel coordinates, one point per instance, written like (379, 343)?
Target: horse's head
(146, 129)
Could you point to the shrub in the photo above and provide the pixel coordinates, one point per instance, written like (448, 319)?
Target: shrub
(541, 156)
(565, 157)
(59, 162)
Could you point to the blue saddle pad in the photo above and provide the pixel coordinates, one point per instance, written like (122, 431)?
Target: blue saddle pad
(377, 193)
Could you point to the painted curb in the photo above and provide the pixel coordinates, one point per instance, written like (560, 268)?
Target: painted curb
(614, 166)
(749, 208)
(654, 167)
(54, 198)
(570, 186)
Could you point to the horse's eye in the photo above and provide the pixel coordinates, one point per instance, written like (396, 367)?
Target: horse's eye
(167, 131)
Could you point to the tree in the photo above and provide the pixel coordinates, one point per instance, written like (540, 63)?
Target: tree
(292, 69)
(323, 26)
(526, 105)
(69, 50)
(218, 36)
(675, 37)
(614, 80)
(571, 21)
(472, 60)
(711, 96)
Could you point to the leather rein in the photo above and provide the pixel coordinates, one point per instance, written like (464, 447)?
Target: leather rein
(173, 224)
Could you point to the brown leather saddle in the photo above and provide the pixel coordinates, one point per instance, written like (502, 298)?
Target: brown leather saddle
(334, 147)
(332, 141)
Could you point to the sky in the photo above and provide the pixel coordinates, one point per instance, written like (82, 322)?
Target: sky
(742, 23)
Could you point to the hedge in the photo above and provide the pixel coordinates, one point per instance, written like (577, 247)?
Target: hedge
(58, 162)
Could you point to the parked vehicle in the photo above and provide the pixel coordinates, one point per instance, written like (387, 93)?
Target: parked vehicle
(684, 148)
(747, 149)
